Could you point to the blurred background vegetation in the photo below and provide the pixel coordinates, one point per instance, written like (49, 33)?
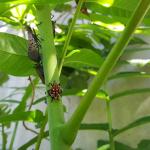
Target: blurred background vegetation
(98, 27)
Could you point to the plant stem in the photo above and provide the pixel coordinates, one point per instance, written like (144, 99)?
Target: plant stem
(49, 60)
(68, 38)
(3, 138)
(40, 136)
(13, 136)
(112, 144)
(72, 126)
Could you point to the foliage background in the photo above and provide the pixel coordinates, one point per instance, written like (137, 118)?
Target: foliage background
(89, 41)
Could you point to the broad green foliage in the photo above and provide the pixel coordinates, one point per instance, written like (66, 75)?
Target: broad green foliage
(13, 56)
(106, 3)
(18, 63)
(83, 58)
(5, 14)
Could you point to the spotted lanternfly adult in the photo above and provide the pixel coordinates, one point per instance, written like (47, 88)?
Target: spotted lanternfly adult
(55, 91)
(33, 52)
(33, 45)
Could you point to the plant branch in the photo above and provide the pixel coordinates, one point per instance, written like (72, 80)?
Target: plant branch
(41, 134)
(129, 92)
(13, 136)
(69, 131)
(27, 128)
(31, 103)
(4, 138)
(68, 38)
(111, 139)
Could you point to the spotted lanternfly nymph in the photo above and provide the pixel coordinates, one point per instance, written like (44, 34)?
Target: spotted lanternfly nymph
(55, 91)
(33, 45)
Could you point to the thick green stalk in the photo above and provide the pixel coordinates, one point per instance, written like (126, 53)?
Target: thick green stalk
(13, 136)
(72, 126)
(111, 140)
(48, 52)
(68, 38)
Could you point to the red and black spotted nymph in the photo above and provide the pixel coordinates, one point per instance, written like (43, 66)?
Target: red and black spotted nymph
(55, 91)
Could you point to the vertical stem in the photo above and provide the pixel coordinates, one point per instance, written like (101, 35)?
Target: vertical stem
(40, 136)
(3, 138)
(68, 38)
(13, 136)
(49, 60)
(109, 117)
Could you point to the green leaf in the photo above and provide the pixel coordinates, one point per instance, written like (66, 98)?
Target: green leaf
(31, 116)
(124, 4)
(13, 56)
(106, 3)
(63, 7)
(34, 1)
(144, 145)
(4, 10)
(83, 58)
(90, 30)
(120, 11)
(14, 14)
(136, 123)
(112, 11)
(90, 36)
(3, 78)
